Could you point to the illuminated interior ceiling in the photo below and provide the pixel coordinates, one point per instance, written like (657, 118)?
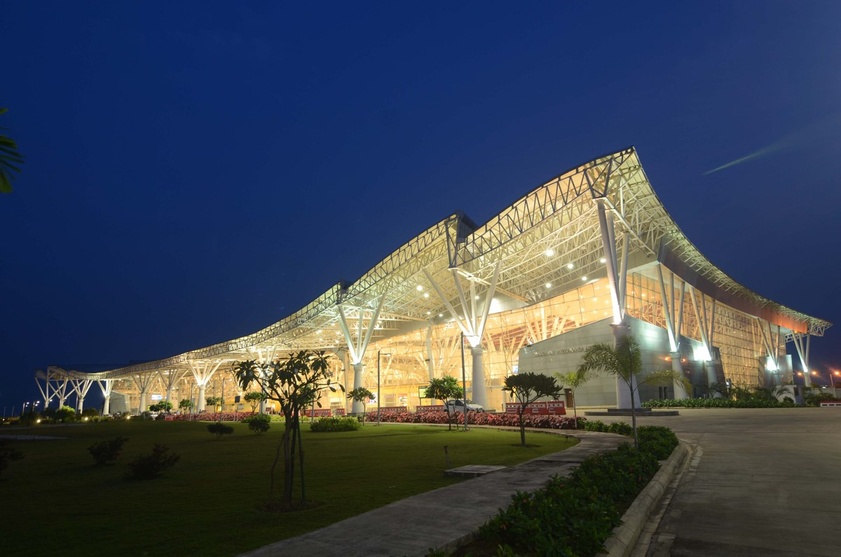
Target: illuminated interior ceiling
(546, 243)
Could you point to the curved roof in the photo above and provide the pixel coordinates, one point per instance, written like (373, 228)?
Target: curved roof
(560, 215)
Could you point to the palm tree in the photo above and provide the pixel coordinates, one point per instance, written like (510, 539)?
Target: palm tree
(573, 380)
(10, 158)
(623, 360)
(361, 394)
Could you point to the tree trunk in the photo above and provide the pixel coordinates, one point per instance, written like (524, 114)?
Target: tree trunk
(274, 466)
(301, 464)
(522, 427)
(634, 416)
(288, 463)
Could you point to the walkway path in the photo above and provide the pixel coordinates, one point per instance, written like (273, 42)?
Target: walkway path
(440, 517)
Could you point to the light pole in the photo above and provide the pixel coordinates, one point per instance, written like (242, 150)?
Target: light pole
(832, 374)
(463, 385)
(23, 408)
(378, 383)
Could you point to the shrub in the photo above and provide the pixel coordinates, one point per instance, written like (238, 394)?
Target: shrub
(151, 466)
(573, 515)
(106, 452)
(815, 399)
(219, 429)
(65, 414)
(657, 440)
(335, 424)
(90, 413)
(743, 399)
(621, 428)
(8, 454)
(258, 423)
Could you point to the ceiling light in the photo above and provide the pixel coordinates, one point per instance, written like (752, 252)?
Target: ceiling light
(426, 294)
(570, 266)
(419, 288)
(548, 285)
(584, 278)
(549, 252)
(602, 260)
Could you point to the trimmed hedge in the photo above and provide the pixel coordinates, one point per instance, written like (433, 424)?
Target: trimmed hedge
(573, 516)
(335, 424)
(716, 403)
(621, 428)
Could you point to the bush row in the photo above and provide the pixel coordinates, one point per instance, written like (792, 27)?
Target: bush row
(716, 403)
(573, 516)
(335, 424)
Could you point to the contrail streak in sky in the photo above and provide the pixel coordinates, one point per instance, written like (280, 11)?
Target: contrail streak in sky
(800, 138)
(764, 152)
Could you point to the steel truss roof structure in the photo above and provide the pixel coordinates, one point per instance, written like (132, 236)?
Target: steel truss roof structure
(424, 280)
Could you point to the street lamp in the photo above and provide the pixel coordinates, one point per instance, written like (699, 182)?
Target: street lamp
(378, 383)
(832, 373)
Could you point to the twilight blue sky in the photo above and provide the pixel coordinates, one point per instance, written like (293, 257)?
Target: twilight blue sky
(198, 170)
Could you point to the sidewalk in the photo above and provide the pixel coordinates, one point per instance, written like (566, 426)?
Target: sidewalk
(439, 518)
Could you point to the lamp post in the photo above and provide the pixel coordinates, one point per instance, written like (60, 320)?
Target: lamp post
(832, 374)
(23, 408)
(463, 384)
(378, 383)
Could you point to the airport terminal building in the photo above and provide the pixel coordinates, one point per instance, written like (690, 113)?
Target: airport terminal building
(529, 290)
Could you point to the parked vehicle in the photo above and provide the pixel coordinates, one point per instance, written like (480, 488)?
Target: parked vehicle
(457, 405)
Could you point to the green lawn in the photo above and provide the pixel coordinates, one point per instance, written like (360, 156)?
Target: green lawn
(56, 502)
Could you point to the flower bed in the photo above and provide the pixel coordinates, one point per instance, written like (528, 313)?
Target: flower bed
(480, 418)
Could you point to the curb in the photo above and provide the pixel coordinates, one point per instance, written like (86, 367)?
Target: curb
(625, 536)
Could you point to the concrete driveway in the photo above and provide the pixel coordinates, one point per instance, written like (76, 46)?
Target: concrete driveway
(760, 482)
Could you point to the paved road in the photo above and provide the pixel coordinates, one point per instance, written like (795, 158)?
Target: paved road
(761, 482)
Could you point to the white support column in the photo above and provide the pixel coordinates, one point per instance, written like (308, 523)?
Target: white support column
(203, 371)
(430, 363)
(703, 327)
(616, 281)
(265, 357)
(803, 352)
(143, 382)
(674, 335)
(106, 386)
(613, 279)
(771, 344)
(472, 323)
(81, 388)
(358, 346)
(667, 310)
(61, 390)
(45, 390)
(170, 378)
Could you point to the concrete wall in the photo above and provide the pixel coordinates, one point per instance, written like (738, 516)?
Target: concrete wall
(562, 354)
